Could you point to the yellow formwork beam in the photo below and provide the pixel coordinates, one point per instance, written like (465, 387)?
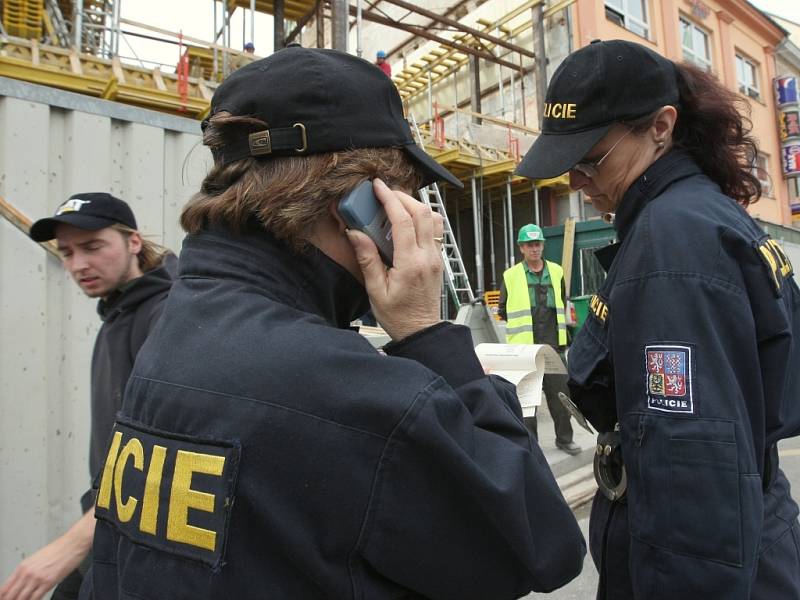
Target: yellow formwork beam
(23, 18)
(86, 74)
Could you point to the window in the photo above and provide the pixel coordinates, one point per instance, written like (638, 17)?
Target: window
(630, 14)
(761, 170)
(794, 191)
(747, 76)
(695, 44)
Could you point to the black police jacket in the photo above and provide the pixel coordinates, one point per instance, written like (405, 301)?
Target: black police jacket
(264, 450)
(691, 345)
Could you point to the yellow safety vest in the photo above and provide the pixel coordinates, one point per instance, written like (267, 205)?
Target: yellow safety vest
(518, 304)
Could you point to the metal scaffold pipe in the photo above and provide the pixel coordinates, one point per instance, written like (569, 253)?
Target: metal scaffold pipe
(491, 245)
(225, 40)
(476, 224)
(339, 25)
(500, 83)
(430, 102)
(252, 21)
(505, 234)
(513, 99)
(359, 48)
(116, 32)
(280, 34)
(510, 229)
(78, 24)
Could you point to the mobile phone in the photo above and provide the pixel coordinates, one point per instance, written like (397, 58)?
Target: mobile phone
(361, 210)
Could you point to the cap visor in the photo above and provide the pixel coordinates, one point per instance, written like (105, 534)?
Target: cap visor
(431, 170)
(552, 155)
(45, 229)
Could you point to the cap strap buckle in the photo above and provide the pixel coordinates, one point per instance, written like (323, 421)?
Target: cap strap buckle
(303, 136)
(260, 143)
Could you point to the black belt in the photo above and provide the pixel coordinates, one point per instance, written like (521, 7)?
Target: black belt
(609, 468)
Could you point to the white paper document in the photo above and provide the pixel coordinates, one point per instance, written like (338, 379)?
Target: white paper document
(524, 365)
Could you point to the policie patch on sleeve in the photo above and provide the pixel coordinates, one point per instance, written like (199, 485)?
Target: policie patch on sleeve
(777, 264)
(668, 372)
(169, 492)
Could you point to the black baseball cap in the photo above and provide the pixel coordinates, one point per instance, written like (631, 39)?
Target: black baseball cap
(318, 100)
(595, 87)
(92, 211)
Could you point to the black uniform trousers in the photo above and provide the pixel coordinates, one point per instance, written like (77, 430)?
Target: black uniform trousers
(552, 385)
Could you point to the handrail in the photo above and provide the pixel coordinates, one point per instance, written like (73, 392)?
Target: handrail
(495, 120)
(23, 223)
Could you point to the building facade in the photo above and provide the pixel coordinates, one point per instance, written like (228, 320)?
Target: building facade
(787, 93)
(731, 39)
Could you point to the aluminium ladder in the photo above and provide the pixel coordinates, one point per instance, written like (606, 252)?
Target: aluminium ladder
(57, 29)
(454, 271)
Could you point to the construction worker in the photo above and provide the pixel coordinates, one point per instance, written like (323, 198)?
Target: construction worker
(109, 259)
(687, 364)
(272, 451)
(532, 303)
(380, 61)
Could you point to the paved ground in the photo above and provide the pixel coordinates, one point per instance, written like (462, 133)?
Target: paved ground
(584, 587)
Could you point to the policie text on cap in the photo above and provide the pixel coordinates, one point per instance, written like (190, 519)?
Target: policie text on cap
(594, 88)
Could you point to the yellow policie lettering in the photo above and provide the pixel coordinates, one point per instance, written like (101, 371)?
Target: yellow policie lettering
(599, 308)
(183, 497)
(780, 267)
(132, 449)
(773, 266)
(151, 488)
(104, 495)
(783, 260)
(559, 110)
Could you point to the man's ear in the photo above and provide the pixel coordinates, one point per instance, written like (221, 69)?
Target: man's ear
(135, 243)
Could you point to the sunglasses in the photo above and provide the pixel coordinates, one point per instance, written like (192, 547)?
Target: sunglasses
(590, 169)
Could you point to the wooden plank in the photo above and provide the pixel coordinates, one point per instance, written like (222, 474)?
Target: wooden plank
(159, 80)
(75, 62)
(116, 68)
(23, 223)
(568, 251)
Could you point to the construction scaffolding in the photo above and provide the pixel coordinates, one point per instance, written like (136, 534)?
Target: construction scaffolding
(75, 45)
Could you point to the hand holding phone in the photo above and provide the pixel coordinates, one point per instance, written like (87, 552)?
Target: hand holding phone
(361, 210)
(406, 297)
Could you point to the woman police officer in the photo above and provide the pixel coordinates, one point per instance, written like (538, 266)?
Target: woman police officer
(687, 364)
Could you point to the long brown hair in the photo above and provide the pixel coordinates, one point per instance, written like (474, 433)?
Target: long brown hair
(151, 255)
(288, 195)
(714, 126)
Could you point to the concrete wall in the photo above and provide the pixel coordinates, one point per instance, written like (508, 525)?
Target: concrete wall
(53, 144)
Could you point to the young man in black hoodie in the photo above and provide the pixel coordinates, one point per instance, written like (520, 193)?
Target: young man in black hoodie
(108, 258)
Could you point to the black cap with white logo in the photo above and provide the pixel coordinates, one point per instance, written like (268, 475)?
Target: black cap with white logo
(91, 211)
(595, 87)
(317, 100)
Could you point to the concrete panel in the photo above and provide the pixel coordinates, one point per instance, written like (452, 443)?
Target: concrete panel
(54, 145)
